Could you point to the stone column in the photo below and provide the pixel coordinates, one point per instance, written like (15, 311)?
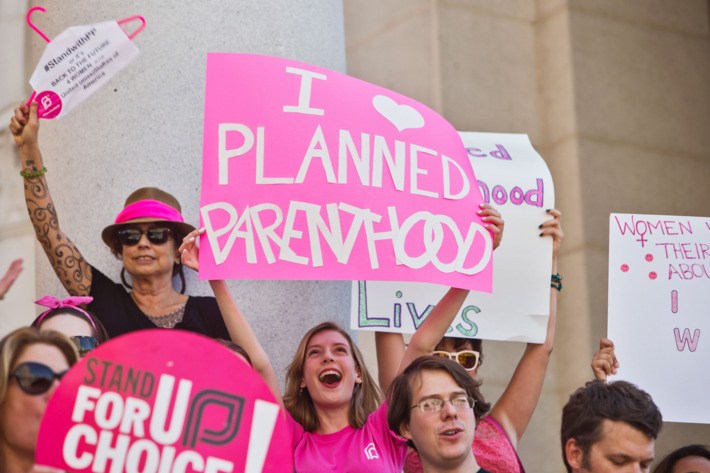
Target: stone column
(145, 129)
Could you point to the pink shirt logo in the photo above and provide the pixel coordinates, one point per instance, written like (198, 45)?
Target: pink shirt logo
(371, 451)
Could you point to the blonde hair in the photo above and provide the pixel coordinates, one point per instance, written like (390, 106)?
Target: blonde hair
(12, 346)
(366, 395)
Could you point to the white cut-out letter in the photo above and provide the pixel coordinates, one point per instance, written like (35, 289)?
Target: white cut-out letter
(260, 178)
(415, 170)
(304, 93)
(226, 154)
(465, 186)
(317, 149)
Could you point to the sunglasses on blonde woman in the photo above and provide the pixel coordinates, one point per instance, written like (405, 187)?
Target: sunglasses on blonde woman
(35, 378)
(466, 358)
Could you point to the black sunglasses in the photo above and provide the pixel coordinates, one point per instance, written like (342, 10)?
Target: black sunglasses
(35, 378)
(131, 236)
(84, 344)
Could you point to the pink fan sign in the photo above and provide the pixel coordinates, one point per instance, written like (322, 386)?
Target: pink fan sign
(311, 174)
(163, 400)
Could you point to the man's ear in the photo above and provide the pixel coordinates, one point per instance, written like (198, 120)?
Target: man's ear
(574, 454)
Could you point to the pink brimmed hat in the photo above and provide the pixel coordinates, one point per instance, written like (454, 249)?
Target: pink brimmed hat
(147, 204)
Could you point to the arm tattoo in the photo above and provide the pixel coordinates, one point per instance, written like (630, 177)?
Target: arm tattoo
(72, 270)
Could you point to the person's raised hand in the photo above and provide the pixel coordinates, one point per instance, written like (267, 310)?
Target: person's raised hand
(24, 125)
(604, 362)
(494, 223)
(553, 228)
(189, 251)
(10, 276)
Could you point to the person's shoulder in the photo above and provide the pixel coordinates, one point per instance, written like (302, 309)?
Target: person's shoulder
(204, 302)
(100, 283)
(203, 299)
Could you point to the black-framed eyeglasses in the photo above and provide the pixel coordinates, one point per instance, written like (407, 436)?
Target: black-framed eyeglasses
(35, 378)
(435, 404)
(131, 236)
(467, 358)
(84, 344)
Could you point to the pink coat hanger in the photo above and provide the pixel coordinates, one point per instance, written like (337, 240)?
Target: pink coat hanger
(120, 22)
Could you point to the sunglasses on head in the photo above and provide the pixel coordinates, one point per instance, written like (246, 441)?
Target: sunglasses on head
(35, 378)
(131, 236)
(84, 344)
(466, 358)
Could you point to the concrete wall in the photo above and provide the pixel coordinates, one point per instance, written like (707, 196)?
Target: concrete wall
(614, 95)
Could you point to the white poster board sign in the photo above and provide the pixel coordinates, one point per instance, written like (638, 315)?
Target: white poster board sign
(77, 63)
(513, 178)
(659, 302)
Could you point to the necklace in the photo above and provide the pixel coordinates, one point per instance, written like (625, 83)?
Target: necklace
(170, 319)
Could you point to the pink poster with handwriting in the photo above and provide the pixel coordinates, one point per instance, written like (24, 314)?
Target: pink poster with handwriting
(311, 174)
(163, 400)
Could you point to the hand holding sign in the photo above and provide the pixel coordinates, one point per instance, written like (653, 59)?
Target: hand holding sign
(494, 223)
(24, 125)
(604, 362)
(189, 251)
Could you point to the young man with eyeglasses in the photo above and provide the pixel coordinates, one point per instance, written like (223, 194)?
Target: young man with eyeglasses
(435, 404)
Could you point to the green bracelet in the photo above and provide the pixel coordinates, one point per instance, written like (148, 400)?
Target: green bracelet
(556, 282)
(33, 174)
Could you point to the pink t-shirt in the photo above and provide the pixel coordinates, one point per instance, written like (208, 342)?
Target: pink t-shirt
(491, 447)
(371, 448)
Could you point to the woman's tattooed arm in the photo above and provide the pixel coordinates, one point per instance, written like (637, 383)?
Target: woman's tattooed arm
(73, 271)
(70, 266)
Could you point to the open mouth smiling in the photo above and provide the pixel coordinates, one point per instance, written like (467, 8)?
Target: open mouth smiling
(330, 378)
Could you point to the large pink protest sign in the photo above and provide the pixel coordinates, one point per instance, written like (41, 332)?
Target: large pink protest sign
(312, 174)
(159, 401)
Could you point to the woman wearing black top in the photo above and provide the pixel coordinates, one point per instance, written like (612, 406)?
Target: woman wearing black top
(145, 236)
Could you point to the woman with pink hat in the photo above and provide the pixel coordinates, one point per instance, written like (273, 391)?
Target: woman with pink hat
(145, 236)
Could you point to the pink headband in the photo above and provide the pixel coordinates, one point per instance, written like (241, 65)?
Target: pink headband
(151, 209)
(72, 302)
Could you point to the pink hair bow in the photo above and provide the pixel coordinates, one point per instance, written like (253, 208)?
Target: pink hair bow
(54, 303)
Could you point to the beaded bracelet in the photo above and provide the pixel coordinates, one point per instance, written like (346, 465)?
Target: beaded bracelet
(556, 282)
(33, 174)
